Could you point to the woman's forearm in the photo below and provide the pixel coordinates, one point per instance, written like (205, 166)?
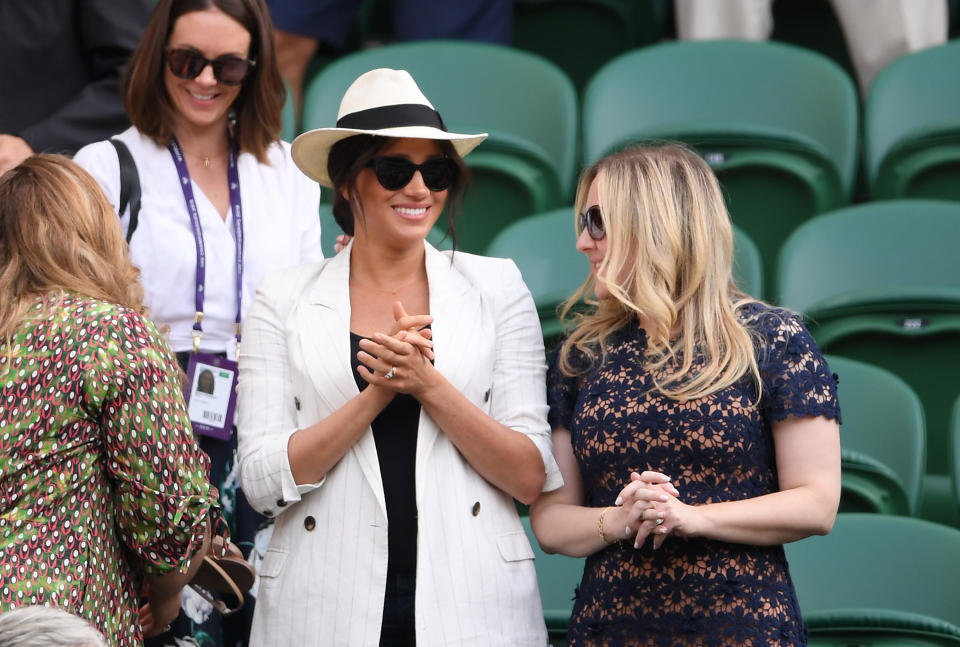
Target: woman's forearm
(776, 518)
(576, 530)
(315, 450)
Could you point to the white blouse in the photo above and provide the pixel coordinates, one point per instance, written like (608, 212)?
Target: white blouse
(281, 228)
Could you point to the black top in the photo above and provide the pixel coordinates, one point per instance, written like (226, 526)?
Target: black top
(395, 433)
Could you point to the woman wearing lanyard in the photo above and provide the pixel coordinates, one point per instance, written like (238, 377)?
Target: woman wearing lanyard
(222, 203)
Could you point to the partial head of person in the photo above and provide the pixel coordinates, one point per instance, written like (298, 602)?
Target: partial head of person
(58, 233)
(38, 626)
(206, 64)
(390, 160)
(653, 224)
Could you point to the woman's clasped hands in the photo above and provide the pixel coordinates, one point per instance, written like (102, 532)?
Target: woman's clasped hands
(652, 508)
(400, 360)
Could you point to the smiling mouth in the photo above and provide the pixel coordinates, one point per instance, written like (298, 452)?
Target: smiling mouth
(411, 212)
(201, 97)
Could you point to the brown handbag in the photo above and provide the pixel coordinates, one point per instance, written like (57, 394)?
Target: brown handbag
(224, 570)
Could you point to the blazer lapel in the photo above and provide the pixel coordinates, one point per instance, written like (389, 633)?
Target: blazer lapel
(324, 328)
(457, 311)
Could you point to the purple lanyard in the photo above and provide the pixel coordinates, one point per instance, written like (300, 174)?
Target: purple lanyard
(233, 179)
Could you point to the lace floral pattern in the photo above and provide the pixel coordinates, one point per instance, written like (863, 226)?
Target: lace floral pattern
(695, 592)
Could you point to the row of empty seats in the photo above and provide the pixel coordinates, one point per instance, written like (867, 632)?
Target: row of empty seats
(784, 138)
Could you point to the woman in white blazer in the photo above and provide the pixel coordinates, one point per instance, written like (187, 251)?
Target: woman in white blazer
(390, 446)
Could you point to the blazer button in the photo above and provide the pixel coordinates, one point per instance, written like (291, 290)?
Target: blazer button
(476, 509)
(281, 503)
(309, 523)
(268, 513)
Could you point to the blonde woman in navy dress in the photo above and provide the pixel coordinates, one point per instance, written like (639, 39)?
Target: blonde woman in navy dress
(696, 428)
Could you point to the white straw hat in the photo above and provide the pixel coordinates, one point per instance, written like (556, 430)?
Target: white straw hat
(380, 102)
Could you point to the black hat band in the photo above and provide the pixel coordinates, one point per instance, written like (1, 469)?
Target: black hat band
(395, 116)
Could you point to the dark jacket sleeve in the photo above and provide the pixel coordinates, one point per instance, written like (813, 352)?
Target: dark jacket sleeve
(105, 33)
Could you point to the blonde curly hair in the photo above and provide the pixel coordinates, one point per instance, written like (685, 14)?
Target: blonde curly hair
(668, 265)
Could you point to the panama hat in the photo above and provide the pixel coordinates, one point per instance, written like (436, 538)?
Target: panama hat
(380, 102)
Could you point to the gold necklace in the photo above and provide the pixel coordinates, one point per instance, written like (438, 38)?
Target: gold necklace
(205, 159)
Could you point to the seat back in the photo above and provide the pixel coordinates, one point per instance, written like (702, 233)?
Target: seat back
(544, 248)
(955, 451)
(883, 439)
(865, 257)
(781, 138)
(289, 116)
(874, 563)
(912, 126)
(747, 264)
(881, 283)
(548, 27)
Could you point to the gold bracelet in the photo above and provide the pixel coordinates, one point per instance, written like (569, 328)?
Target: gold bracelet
(603, 537)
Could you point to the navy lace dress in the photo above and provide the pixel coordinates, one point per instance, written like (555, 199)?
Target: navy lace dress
(696, 592)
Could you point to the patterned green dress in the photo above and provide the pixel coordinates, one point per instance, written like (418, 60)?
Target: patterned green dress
(100, 477)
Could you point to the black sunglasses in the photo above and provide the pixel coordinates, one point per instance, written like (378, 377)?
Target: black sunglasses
(228, 70)
(592, 222)
(394, 173)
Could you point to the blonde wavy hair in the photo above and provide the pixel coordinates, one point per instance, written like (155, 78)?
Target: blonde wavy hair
(59, 235)
(668, 266)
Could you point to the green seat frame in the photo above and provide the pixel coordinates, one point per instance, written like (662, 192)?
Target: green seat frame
(912, 126)
(547, 27)
(782, 138)
(880, 282)
(882, 438)
(879, 575)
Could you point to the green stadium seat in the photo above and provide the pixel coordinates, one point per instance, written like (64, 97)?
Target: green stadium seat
(777, 123)
(879, 580)
(882, 439)
(526, 104)
(289, 115)
(880, 282)
(955, 451)
(544, 248)
(912, 126)
(547, 27)
(558, 577)
(747, 264)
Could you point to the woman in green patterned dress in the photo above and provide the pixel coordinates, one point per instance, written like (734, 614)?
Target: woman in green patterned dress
(103, 491)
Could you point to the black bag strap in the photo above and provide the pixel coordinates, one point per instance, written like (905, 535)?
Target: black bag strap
(129, 185)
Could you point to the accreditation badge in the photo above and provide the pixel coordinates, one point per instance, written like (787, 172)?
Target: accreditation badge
(211, 394)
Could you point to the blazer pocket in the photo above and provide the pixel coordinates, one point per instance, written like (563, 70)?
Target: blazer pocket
(273, 561)
(514, 546)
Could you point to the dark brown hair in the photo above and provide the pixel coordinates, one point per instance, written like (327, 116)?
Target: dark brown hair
(259, 105)
(349, 156)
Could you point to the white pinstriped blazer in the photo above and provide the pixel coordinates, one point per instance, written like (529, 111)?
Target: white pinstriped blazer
(323, 576)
